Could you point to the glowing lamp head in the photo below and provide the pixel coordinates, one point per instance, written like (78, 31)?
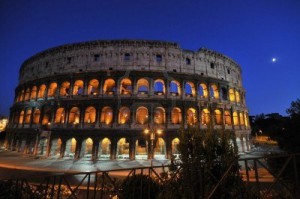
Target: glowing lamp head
(146, 131)
(159, 131)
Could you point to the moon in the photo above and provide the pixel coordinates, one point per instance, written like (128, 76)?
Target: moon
(274, 59)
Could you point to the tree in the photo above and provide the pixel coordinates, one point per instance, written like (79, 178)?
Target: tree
(206, 155)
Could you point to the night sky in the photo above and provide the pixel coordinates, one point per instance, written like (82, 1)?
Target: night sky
(250, 32)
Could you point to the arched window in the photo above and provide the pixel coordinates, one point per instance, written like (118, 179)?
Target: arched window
(191, 116)
(175, 88)
(42, 91)
(109, 87)
(21, 118)
(205, 117)
(246, 119)
(203, 90)
(52, 89)
(142, 86)
(242, 119)
(235, 119)
(159, 115)
(65, 89)
(60, 116)
(21, 96)
(90, 115)
(231, 95)
(27, 94)
(176, 116)
(106, 115)
(87, 147)
(28, 116)
(16, 117)
(224, 93)
(74, 116)
(214, 92)
(142, 115)
(46, 116)
(78, 87)
(175, 144)
(189, 89)
(218, 117)
(141, 149)
(160, 149)
(124, 115)
(227, 117)
(159, 87)
(70, 147)
(122, 149)
(36, 116)
(93, 87)
(33, 92)
(104, 149)
(237, 96)
(126, 87)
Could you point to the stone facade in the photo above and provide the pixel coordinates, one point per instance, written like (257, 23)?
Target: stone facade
(95, 99)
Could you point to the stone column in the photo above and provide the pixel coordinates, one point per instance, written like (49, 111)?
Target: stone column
(131, 149)
(113, 151)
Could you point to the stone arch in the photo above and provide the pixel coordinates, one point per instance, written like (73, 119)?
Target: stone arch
(175, 147)
(46, 116)
(28, 116)
(159, 115)
(70, 148)
(231, 95)
(142, 86)
(42, 147)
(160, 149)
(122, 149)
(214, 91)
(202, 90)
(59, 116)
(227, 116)
(205, 117)
(78, 87)
(21, 96)
(141, 149)
(191, 116)
(224, 93)
(175, 88)
(52, 89)
(159, 87)
(106, 115)
(74, 116)
(124, 115)
(176, 115)
(142, 115)
(87, 148)
(126, 86)
(27, 94)
(21, 118)
(93, 87)
(36, 116)
(41, 92)
(235, 119)
(109, 87)
(104, 149)
(237, 97)
(241, 116)
(64, 89)
(33, 92)
(90, 115)
(218, 117)
(189, 89)
(55, 147)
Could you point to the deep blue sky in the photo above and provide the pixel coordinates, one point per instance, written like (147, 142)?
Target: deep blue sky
(250, 32)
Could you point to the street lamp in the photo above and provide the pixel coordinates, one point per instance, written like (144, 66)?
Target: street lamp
(151, 132)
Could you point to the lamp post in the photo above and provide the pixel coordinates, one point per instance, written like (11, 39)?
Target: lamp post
(151, 132)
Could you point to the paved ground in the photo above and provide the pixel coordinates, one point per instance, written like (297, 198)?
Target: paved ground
(16, 165)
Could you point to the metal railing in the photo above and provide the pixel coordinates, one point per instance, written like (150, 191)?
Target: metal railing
(268, 177)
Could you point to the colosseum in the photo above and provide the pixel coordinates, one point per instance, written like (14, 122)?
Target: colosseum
(123, 99)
